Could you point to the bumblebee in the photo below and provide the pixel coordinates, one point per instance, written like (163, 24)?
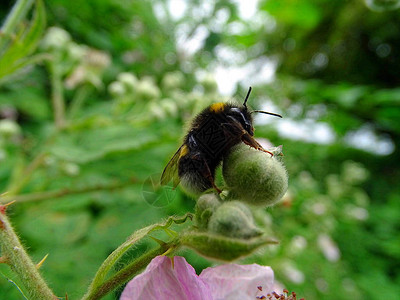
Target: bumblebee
(213, 132)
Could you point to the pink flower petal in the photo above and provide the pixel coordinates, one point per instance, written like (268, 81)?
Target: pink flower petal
(238, 282)
(162, 281)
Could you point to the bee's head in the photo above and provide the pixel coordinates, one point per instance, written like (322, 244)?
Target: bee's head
(243, 115)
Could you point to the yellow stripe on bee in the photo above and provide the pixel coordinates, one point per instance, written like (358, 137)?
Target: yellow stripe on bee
(184, 151)
(217, 107)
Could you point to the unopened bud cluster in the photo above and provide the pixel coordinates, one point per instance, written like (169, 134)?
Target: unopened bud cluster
(253, 178)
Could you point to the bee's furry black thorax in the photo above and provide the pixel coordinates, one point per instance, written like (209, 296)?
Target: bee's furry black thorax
(213, 133)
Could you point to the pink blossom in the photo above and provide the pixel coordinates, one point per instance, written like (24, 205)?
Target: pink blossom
(163, 279)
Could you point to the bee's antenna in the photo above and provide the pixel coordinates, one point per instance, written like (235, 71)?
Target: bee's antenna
(266, 112)
(247, 97)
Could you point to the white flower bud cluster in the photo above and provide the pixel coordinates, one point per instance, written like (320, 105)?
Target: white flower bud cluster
(167, 101)
(76, 64)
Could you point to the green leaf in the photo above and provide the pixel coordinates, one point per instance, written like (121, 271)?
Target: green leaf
(56, 228)
(91, 144)
(29, 100)
(295, 13)
(384, 97)
(389, 118)
(14, 57)
(345, 95)
(30, 37)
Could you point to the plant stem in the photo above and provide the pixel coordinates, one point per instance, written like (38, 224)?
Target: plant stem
(40, 196)
(128, 272)
(78, 101)
(21, 178)
(16, 257)
(99, 279)
(57, 96)
(18, 184)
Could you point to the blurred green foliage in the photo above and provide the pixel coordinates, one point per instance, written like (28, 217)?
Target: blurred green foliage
(16, 47)
(129, 88)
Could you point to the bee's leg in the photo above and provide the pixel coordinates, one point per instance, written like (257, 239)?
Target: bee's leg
(210, 177)
(245, 136)
(249, 140)
(206, 172)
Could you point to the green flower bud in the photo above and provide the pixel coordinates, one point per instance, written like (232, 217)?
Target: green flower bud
(157, 111)
(71, 169)
(77, 52)
(9, 129)
(117, 89)
(233, 219)
(146, 89)
(55, 38)
(354, 173)
(96, 60)
(254, 176)
(173, 80)
(221, 247)
(128, 80)
(169, 106)
(206, 205)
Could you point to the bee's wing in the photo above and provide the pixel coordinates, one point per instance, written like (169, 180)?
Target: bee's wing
(171, 170)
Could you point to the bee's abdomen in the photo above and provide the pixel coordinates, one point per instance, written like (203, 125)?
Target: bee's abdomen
(195, 183)
(193, 171)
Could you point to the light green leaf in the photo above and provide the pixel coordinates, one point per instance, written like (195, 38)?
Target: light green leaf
(92, 144)
(15, 55)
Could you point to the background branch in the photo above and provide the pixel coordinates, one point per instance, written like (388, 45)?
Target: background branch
(47, 195)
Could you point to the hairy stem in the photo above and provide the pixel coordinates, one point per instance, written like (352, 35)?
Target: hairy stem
(14, 254)
(100, 285)
(127, 273)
